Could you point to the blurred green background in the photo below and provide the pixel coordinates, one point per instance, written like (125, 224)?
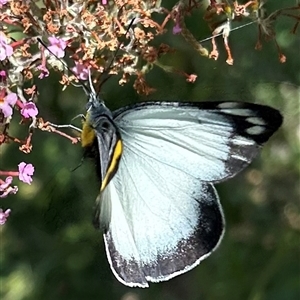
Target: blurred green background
(49, 248)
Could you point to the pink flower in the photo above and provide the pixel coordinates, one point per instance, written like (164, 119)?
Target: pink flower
(44, 71)
(6, 189)
(7, 103)
(2, 74)
(29, 110)
(5, 49)
(10, 190)
(57, 46)
(25, 172)
(6, 184)
(4, 215)
(176, 29)
(3, 81)
(81, 71)
(2, 2)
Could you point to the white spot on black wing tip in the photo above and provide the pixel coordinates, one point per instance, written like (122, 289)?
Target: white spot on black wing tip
(255, 130)
(259, 126)
(238, 112)
(273, 121)
(228, 105)
(256, 121)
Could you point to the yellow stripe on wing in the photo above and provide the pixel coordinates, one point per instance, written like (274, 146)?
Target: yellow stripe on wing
(113, 164)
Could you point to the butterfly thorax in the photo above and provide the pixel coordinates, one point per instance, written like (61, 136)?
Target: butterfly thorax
(101, 140)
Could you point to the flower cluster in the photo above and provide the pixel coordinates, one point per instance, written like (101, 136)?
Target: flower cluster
(102, 38)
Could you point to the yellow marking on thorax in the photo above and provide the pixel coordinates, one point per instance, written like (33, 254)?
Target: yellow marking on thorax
(87, 135)
(113, 165)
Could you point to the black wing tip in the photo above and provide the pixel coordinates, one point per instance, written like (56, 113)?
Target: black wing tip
(257, 122)
(273, 119)
(274, 115)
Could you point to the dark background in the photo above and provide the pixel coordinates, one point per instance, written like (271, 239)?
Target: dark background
(49, 248)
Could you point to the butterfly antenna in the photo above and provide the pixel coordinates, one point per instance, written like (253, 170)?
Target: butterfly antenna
(221, 33)
(92, 89)
(115, 54)
(79, 165)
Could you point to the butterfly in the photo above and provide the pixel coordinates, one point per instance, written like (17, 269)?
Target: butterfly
(157, 164)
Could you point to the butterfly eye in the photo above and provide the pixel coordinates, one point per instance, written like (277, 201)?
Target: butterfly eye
(105, 125)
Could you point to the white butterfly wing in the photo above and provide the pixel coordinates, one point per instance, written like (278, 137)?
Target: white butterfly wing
(165, 215)
(157, 213)
(211, 141)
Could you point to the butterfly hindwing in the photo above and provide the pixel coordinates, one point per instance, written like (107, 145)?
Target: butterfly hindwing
(160, 227)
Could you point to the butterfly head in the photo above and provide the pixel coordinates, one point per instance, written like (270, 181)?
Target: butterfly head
(96, 113)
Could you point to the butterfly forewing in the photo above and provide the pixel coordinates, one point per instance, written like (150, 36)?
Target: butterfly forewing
(165, 216)
(210, 140)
